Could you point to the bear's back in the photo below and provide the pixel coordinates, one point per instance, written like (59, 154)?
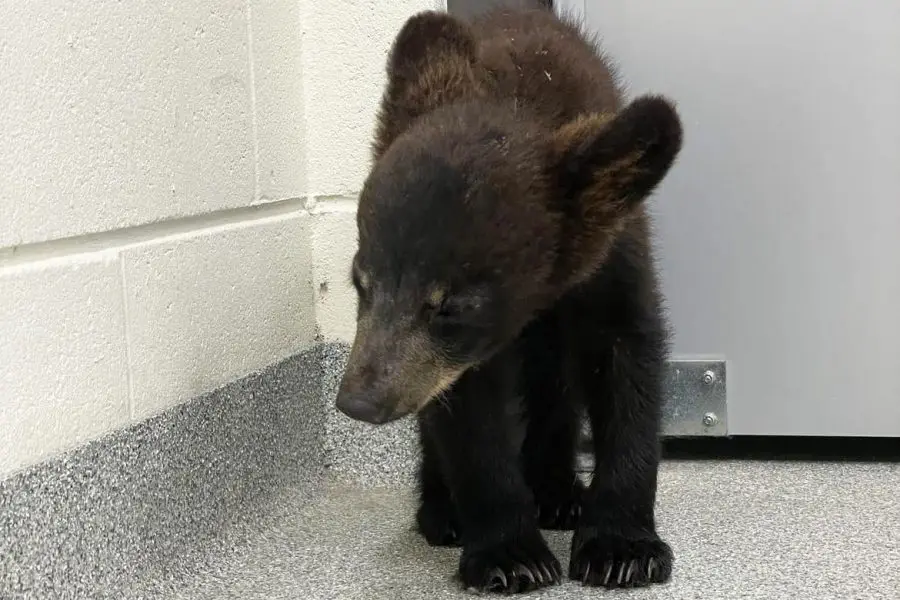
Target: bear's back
(545, 64)
(548, 66)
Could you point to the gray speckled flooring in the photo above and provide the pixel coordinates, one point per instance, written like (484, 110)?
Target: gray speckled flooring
(739, 530)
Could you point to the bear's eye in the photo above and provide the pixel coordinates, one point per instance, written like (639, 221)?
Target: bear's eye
(361, 282)
(454, 308)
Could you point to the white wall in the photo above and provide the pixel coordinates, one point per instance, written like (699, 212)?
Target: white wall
(178, 186)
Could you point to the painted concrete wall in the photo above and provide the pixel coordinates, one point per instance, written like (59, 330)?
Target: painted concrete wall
(177, 196)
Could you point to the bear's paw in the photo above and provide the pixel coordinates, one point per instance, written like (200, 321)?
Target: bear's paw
(511, 566)
(614, 560)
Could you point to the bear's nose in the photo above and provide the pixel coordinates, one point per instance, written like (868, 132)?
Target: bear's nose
(363, 407)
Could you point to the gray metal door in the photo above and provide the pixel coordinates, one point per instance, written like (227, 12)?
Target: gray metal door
(779, 229)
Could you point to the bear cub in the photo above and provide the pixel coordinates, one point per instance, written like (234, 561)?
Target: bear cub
(506, 285)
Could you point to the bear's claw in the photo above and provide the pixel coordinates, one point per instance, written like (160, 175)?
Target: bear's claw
(561, 512)
(510, 567)
(617, 561)
(438, 524)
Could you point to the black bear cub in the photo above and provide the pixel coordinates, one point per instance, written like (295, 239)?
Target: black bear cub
(506, 283)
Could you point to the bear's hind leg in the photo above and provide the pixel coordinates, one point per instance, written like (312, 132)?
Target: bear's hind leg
(549, 456)
(436, 517)
(553, 427)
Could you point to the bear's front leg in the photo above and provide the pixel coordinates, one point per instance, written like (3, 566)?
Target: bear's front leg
(477, 433)
(615, 543)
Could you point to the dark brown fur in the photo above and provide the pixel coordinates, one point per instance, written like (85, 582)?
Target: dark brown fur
(505, 269)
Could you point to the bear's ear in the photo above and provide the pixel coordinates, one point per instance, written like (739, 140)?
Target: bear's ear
(604, 167)
(431, 62)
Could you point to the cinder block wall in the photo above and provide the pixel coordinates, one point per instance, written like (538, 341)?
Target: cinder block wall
(178, 186)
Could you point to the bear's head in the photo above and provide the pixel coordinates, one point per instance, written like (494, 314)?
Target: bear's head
(474, 217)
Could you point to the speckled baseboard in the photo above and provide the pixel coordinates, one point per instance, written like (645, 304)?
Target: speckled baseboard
(359, 453)
(128, 515)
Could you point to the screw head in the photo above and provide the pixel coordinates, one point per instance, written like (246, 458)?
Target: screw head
(709, 378)
(710, 419)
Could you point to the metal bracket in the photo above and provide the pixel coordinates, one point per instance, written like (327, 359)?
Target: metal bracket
(696, 399)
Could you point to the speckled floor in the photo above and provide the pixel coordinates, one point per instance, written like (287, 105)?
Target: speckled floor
(739, 530)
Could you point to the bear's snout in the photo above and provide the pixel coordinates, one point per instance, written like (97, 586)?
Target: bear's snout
(366, 407)
(392, 371)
